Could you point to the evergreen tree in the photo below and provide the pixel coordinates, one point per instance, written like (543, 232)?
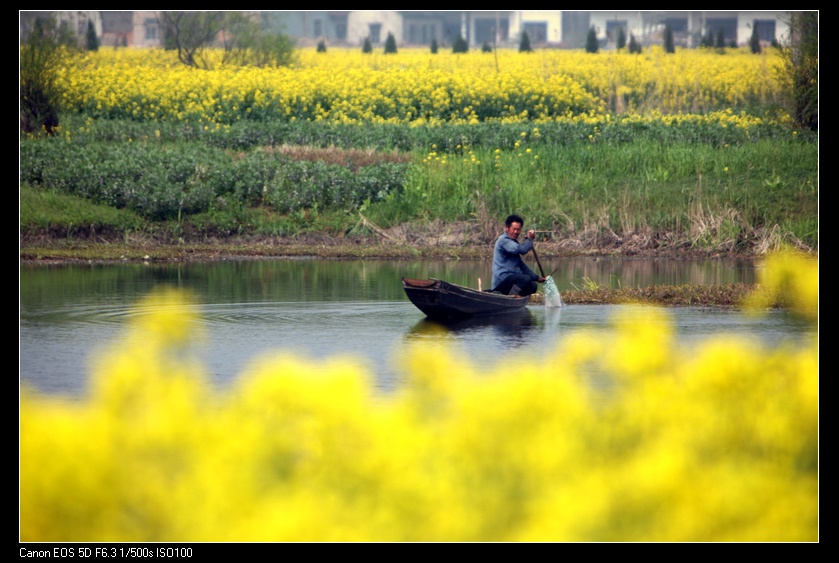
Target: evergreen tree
(434, 46)
(367, 47)
(668, 39)
(621, 39)
(634, 46)
(524, 43)
(460, 45)
(92, 40)
(390, 44)
(592, 45)
(486, 48)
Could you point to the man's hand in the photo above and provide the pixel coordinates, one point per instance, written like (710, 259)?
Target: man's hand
(540, 279)
(531, 234)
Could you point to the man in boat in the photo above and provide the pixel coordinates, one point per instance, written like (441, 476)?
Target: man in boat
(510, 275)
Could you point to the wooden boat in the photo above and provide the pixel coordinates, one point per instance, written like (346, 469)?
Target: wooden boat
(439, 299)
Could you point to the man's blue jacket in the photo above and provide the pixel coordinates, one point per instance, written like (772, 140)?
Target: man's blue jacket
(506, 259)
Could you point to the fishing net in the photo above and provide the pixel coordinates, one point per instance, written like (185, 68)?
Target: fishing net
(552, 296)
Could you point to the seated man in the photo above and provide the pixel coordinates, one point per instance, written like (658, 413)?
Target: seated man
(510, 275)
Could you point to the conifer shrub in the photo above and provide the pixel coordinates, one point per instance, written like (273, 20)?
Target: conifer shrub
(321, 46)
(524, 43)
(621, 38)
(434, 47)
(367, 47)
(460, 45)
(92, 40)
(634, 46)
(592, 45)
(668, 39)
(390, 44)
(754, 40)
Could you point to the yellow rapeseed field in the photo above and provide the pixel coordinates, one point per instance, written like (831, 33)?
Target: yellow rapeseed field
(416, 87)
(716, 442)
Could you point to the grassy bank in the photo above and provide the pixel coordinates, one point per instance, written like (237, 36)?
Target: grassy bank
(604, 193)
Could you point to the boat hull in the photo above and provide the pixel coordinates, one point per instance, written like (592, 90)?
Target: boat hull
(443, 300)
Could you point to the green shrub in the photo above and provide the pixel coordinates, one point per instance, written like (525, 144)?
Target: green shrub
(314, 184)
(669, 47)
(434, 46)
(367, 47)
(754, 40)
(321, 48)
(634, 46)
(91, 38)
(485, 48)
(43, 49)
(592, 44)
(524, 43)
(460, 45)
(154, 181)
(390, 44)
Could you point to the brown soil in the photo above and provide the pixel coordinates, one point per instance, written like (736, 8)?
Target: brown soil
(435, 240)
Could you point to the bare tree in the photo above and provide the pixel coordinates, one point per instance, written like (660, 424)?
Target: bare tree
(44, 46)
(238, 35)
(801, 69)
(190, 33)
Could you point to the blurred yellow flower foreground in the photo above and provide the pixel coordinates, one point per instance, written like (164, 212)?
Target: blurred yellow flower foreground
(714, 443)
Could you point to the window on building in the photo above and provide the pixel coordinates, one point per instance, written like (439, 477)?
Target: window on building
(765, 29)
(677, 25)
(317, 28)
(613, 28)
(485, 31)
(340, 31)
(151, 29)
(375, 33)
(537, 31)
(727, 25)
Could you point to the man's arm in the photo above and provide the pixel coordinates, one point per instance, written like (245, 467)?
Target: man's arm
(517, 248)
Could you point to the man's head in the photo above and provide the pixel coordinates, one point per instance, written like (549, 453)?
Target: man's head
(513, 226)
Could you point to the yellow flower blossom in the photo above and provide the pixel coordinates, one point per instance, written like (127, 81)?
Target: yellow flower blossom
(616, 434)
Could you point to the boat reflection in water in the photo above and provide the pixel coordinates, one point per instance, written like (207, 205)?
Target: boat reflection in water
(507, 328)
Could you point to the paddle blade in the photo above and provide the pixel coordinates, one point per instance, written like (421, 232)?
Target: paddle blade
(552, 296)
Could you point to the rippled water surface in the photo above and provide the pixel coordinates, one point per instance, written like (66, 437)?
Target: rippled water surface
(319, 309)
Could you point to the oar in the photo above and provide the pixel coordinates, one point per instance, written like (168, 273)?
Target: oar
(541, 271)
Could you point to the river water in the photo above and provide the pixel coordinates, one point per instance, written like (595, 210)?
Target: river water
(318, 309)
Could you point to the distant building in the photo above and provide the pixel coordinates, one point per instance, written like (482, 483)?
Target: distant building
(545, 28)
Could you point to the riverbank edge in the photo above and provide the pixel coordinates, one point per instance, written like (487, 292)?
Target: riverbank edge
(46, 249)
